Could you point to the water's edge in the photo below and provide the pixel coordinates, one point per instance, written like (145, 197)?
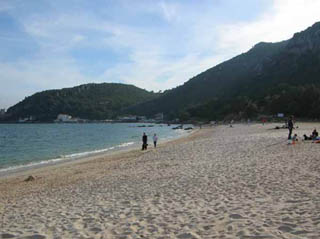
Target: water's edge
(118, 149)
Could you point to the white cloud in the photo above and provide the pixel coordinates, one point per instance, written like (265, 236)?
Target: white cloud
(156, 73)
(279, 23)
(26, 78)
(220, 42)
(169, 10)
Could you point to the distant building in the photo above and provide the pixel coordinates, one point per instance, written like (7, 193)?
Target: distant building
(2, 112)
(64, 118)
(22, 120)
(130, 118)
(26, 119)
(141, 118)
(159, 116)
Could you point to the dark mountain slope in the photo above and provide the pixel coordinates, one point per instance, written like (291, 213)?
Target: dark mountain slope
(220, 81)
(298, 63)
(255, 78)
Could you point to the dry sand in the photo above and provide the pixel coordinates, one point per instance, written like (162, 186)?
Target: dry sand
(242, 182)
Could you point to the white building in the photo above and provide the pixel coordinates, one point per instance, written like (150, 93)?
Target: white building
(159, 116)
(128, 118)
(27, 119)
(65, 118)
(142, 118)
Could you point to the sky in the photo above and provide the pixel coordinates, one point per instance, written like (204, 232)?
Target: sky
(153, 44)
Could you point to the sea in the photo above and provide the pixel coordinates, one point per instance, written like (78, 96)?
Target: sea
(33, 145)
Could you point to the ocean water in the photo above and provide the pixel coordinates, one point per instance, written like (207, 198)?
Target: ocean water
(25, 145)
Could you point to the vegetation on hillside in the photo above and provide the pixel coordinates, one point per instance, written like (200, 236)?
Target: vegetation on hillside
(90, 101)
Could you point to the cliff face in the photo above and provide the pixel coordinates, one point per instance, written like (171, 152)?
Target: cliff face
(305, 41)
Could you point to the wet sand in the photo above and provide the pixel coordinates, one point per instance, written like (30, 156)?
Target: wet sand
(221, 182)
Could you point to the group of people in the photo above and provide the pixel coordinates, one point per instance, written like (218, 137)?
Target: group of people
(314, 135)
(145, 141)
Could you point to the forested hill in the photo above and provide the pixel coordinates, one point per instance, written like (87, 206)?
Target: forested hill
(89, 101)
(269, 78)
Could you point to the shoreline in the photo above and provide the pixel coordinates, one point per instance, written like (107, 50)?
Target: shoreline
(123, 147)
(60, 162)
(66, 159)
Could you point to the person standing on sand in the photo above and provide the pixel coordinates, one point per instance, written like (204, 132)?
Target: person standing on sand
(155, 139)
(290, 126)
(144, 141)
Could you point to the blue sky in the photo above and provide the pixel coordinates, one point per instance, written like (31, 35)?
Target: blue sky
(155, 45)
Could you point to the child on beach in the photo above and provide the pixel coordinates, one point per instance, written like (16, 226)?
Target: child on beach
(293, 139)
(155, 139)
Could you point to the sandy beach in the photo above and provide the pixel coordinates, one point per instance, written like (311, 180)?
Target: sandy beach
(219, 182)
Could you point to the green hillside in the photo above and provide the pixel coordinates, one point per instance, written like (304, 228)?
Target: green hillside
(90, 101)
